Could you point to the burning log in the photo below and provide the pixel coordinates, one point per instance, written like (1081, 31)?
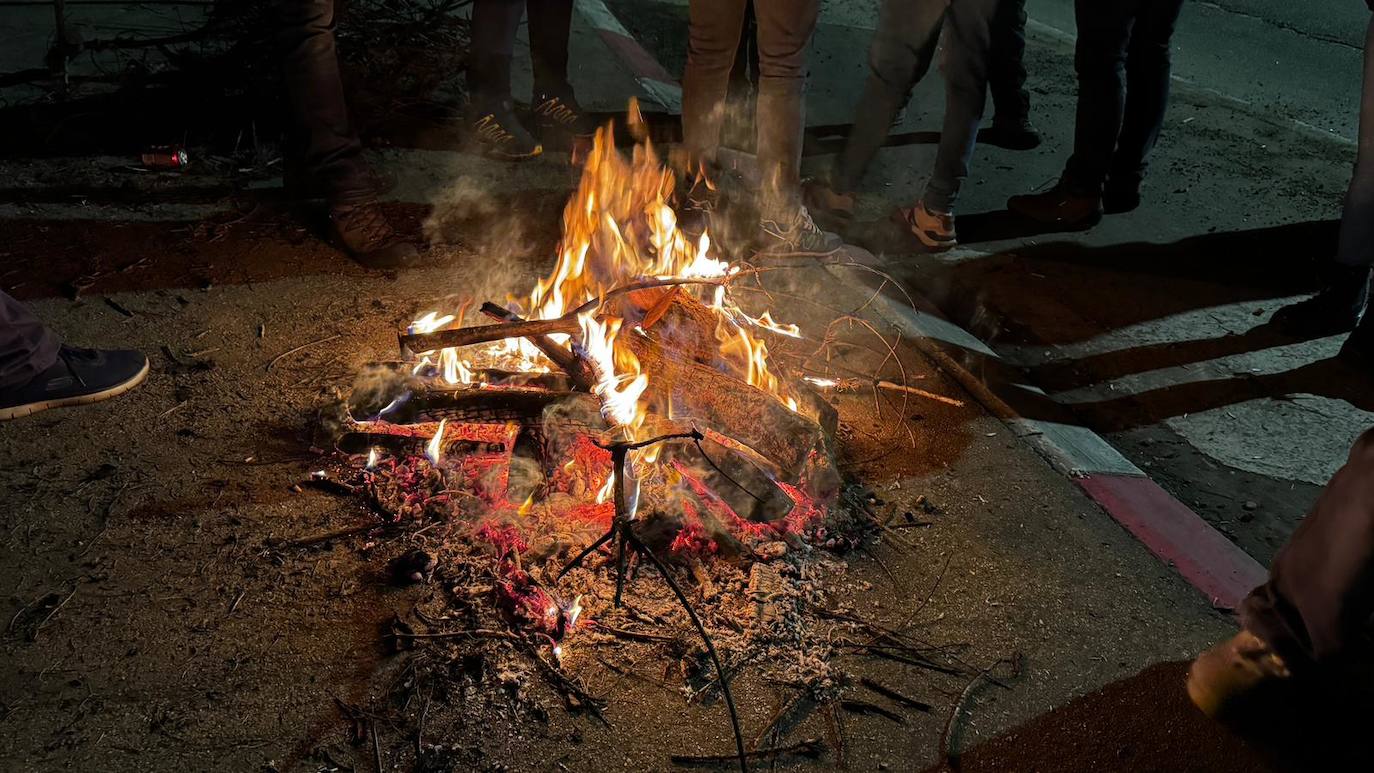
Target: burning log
(746, 414)
(567, 361)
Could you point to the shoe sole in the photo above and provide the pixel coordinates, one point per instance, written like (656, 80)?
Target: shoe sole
(1068, 225)
(29, 409)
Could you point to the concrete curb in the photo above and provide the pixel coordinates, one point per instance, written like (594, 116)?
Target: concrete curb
(1169, 529)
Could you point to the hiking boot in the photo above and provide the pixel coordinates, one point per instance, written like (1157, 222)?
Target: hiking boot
(362, 231)
(1336, 309)
(79, 376)
(500, 134)
(934, 229)
(562, 113)
(1226, 678)
(828, 206)
(1059, 206)
(1016, 134)
(697, 205)
(795, 233)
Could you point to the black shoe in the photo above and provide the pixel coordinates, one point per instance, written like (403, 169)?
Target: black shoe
(795, 233)
(1118, 199)
(560, 112)
(362, 231)
(1359, 345)
(1012, 135)
(496, 129)
(1336, 309)
(1060, 206)
(79, 376)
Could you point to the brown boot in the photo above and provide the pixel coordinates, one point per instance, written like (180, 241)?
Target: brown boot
(1229, 675)
(362, 231)
(1059, 206)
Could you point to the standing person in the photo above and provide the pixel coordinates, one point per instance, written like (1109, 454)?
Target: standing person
(491, 109)
(1316, 608)
(784, 33)
(903, 47)
(1342, 303)
(1123, 64)
(322, 145)
(38, 372)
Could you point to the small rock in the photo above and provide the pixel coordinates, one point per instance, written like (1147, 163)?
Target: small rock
(1251, 505)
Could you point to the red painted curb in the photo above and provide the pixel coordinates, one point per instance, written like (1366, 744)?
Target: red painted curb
(1202, 555)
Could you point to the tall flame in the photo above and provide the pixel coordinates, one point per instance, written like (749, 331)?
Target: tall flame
(618, 227)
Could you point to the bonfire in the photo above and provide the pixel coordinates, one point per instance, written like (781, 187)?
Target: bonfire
(625, 411)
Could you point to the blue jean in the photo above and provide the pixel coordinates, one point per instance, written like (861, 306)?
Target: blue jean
(1356, 245)
(27, 347)
(1123, 64)
(900, 55)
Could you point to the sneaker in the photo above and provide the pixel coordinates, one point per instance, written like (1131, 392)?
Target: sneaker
(828, 206)
(1012, 135)
(562, 113)
(363, 232)
(79, 376)
(1336, 309)
(1227, 677)
(1059, 206)
(934, 229)
(796, 234)
(500, 134)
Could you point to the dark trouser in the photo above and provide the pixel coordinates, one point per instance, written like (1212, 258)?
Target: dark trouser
(1356, 245)
(494, 24)
(321, 140)
(1007, 64)
(1122, 60)
(784, 32)
(27, 347)
(903, 47)
(1320, 593)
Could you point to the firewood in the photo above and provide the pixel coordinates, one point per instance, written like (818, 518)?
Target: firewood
(577, 369)
(708, 399)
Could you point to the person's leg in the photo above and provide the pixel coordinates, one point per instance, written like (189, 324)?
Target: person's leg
(1007, 65)
(494, 26)
(1346, 278)
(900, 55)
(1147, 94)
(321, 138)
(27, 347)
(784, 35)
(37, 372)
(713, 31)
(968, 40)
(1320, 593)
(491, 110)
(1104, 30)
(550, 22)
